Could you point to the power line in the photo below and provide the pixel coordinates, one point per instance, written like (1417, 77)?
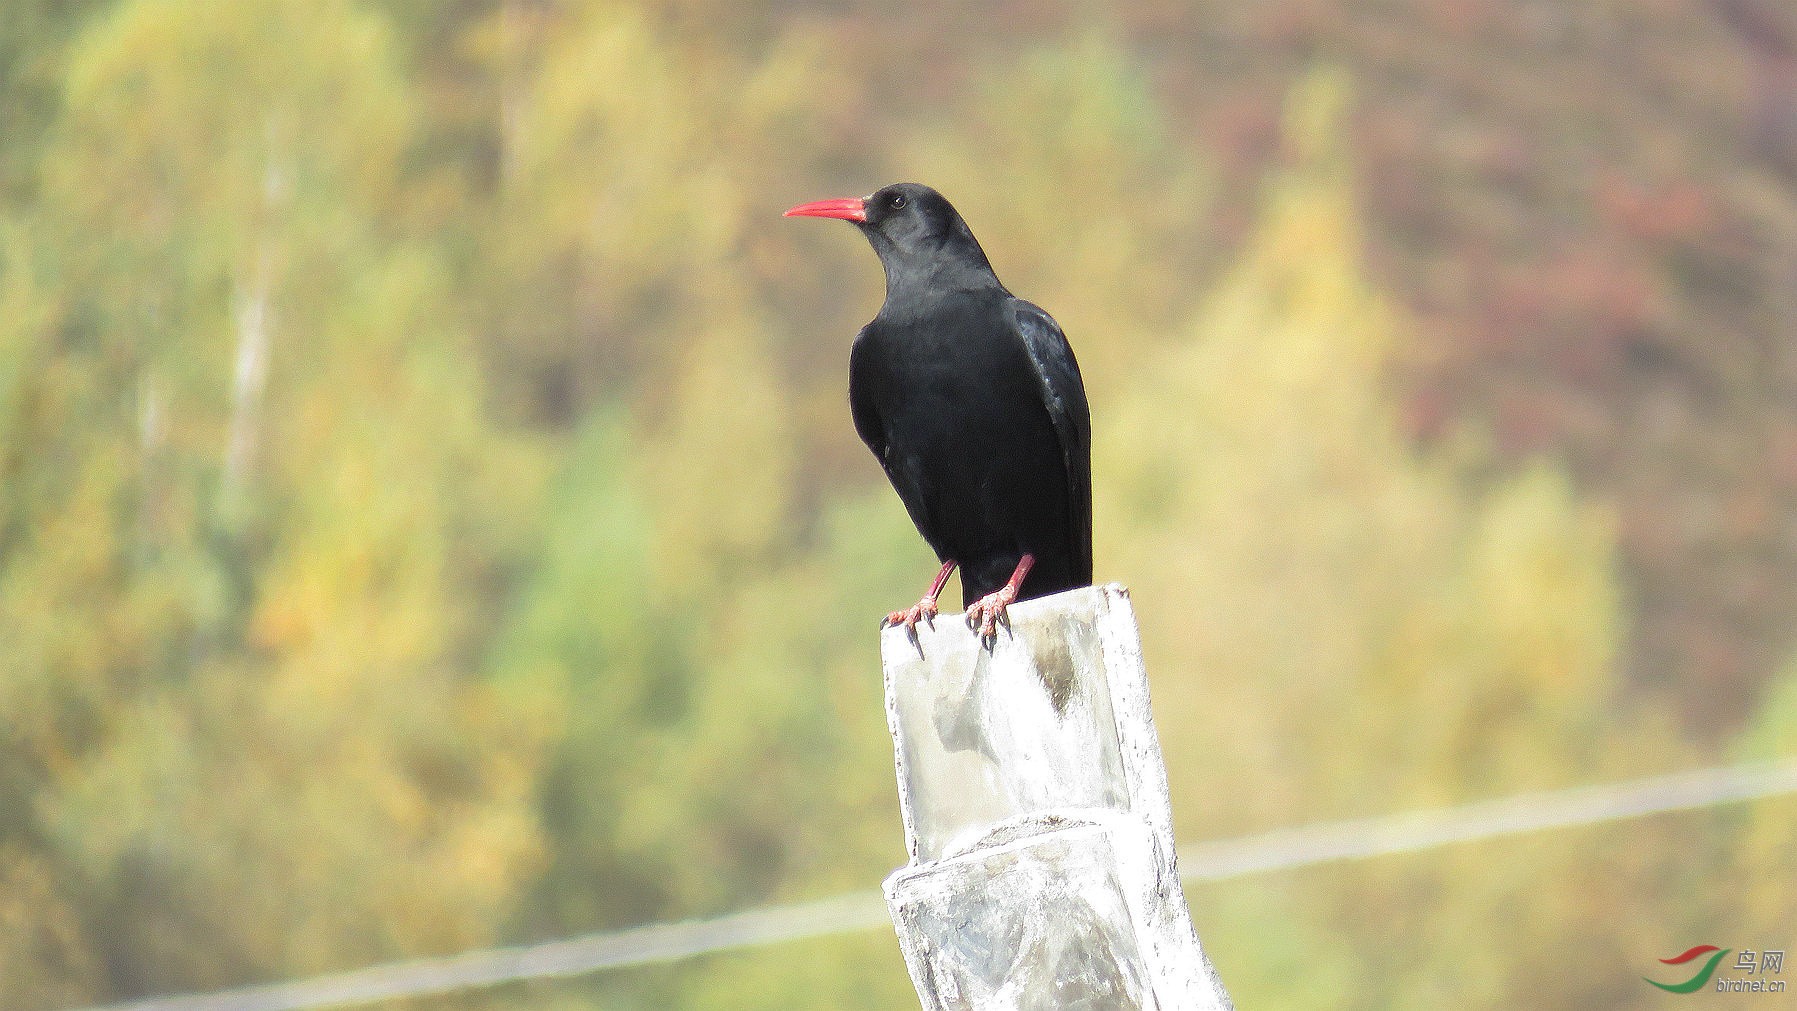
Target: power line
(1285, 849)
(662, 942)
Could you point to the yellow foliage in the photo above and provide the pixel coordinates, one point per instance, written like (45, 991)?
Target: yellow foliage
(545, 600)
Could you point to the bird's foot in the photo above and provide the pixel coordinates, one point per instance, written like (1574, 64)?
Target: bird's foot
(925, 609)
(988, 612)
(922, 611)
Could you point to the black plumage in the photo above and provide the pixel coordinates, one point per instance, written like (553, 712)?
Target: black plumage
(972, 401)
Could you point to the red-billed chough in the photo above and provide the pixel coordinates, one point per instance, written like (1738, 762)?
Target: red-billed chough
(971, 400)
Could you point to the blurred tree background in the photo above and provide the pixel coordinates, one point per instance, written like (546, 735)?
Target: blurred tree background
(429, 516)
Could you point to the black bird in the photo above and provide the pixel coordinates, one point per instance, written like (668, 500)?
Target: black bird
(971, 400)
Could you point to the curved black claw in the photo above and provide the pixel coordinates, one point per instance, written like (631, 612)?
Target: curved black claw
(924, 610)
(988, 613)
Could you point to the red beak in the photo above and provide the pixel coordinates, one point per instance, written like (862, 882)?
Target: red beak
(847, 208)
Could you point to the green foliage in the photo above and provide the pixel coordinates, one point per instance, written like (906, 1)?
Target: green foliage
(1340, 625)
(1386, 583)
(251, 494)
(429, 517)
(1767, 830)
(1093, 187)
(632, 174)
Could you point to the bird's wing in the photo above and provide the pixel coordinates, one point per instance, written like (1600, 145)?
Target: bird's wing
(1064, 394)
(861, 400)
(904, 470)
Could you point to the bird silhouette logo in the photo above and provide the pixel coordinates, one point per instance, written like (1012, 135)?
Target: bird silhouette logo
(1703, 975)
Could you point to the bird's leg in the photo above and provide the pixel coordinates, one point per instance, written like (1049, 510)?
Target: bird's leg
(924, 610)
(989, 610)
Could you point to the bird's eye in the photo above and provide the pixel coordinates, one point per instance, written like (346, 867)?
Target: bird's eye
(896, 201)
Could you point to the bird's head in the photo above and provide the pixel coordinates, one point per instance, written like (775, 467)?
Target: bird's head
(918, 234)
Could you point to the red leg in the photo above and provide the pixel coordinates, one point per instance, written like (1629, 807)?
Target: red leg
(990, 609)
(925, 609)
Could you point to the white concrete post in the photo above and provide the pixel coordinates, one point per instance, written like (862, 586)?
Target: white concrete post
(1042, 872)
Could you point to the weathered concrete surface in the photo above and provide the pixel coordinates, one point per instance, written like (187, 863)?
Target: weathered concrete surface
(1042, 869)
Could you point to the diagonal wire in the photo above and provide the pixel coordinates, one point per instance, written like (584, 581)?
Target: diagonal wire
(1284, 849)
(574, 956)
